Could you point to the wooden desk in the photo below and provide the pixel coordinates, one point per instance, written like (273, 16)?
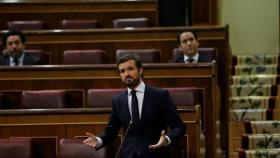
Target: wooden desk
(68, 123)
(164, 39)
(54, 11)
(106, 76)
(204, 12)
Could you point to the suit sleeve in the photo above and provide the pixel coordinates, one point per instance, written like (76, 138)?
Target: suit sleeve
(176, 125)
(111, 131)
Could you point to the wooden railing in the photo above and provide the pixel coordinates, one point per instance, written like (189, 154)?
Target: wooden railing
(106, 76)
(68, 123)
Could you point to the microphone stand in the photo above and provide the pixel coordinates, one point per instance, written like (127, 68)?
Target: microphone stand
(126, 132)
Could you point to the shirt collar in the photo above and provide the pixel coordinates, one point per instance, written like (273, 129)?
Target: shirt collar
(20, 59)
(195, 57)
(140, 88)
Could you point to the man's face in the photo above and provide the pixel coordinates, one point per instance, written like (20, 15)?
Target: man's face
(130, 74)
(188, 43)
(14, 46)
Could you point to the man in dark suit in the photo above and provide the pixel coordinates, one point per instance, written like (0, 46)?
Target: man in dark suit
(189, 43)
(144, 112)
(13, 54)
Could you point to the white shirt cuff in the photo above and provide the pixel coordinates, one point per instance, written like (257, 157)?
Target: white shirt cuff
(99, 142)
(168, 140)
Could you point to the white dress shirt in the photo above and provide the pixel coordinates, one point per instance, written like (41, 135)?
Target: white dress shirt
(140, 97)
(20, 61)
(195, 58)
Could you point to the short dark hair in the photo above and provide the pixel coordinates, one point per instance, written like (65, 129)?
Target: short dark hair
(11, 33)
(179, 34)
(130, 56)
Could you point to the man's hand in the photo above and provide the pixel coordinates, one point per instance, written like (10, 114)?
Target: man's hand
(162, 141)
(91, 141)
(5, 52)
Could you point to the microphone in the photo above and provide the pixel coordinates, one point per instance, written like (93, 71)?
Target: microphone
(124, 136)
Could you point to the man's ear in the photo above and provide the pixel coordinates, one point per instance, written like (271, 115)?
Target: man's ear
(140, 71)
(23, 45)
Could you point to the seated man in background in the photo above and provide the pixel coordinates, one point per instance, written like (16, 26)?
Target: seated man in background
(13, 54)
(188, 43)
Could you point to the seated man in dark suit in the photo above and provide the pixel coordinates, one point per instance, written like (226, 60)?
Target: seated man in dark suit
(13, 54)
(189, 43)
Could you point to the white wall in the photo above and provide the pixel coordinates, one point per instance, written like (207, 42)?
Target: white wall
(253, 25)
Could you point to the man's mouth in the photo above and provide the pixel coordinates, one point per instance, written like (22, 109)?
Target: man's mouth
(129, 79)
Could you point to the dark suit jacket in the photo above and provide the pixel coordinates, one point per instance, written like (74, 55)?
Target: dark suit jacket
(202, 58)
(158, 113)
(27, 60)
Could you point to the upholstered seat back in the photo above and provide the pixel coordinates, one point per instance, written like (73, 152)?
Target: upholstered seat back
(75, 148)
(101, 97)
(131, 22)
(42, 147)
(146, 55)
(80, 24)
(43, 99)
(43, 56)
(187, 96)
(92, 56)
(26, 25)
(15, 148)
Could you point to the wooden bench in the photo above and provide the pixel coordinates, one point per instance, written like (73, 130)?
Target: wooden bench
(162, 38)
(68, 123)
(106, 76)
(11, 99)
(203, 12)
(45, 147)
(54, 11)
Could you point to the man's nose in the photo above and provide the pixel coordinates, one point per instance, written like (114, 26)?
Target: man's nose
(14, 46)
(126, 73)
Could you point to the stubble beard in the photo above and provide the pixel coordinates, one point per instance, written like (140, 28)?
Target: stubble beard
(130, 82)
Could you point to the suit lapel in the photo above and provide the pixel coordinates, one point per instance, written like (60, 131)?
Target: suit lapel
(6, 60)
(147, 99)
(181, 59)
(124, 104)
(27, 60)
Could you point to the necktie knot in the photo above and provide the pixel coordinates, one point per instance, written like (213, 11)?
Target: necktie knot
(133, 92)
(190, 60)
(16, 61)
